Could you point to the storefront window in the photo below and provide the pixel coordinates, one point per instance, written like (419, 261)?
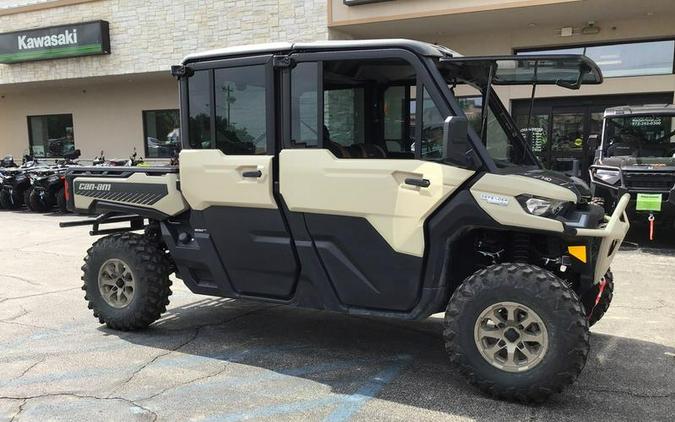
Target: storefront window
(51, 136)
(624, 59)
(161, 133)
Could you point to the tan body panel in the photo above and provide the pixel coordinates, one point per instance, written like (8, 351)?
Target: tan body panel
(211, 178)
(314, 180)
(171, 204)
(509, 212)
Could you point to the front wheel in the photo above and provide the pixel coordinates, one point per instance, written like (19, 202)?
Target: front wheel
(35, 202)
(517, 332)
(26, 198)
(605, 300)
(126, 281)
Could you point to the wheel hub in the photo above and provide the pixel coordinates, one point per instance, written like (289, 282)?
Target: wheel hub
(511, 336)
(116, 283)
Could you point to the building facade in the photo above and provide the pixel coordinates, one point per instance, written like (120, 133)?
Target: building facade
(124, 98)
(114, 102)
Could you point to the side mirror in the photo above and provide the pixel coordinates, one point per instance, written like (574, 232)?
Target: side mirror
(455, 131)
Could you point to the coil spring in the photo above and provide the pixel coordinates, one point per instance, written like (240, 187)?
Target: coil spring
(520, 247)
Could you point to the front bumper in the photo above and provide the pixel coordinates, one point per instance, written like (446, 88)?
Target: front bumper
(610, 234)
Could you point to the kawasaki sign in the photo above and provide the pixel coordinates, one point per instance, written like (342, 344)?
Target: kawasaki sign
(55, 42)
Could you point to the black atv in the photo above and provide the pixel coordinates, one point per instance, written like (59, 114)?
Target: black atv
(48, 187)
(16, 182)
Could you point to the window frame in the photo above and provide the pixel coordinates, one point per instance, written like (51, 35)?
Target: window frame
(145, 128)
(423, 80)
(211, 66)
(550, 48)
(30, 132)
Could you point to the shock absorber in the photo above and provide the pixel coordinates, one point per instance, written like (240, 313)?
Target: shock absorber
(520, 247)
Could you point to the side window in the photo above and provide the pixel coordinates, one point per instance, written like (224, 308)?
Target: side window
(304, 105)
(162, 134)
(432, 129)
(241, 112)
(367, 108)
(199, 110)
(433, 147)
(399, 115)
(344, 116)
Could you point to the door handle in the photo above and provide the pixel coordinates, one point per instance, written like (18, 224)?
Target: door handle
(422, 183)
(252, 173)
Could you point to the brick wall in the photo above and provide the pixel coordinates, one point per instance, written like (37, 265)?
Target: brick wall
(151, 35)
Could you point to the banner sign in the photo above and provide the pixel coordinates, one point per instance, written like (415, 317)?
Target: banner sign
(357, 2)
(55, 42)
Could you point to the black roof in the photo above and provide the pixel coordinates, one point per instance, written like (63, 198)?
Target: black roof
(418, 47)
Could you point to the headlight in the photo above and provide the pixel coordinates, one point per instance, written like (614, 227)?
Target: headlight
(611, 177)
(543, 207)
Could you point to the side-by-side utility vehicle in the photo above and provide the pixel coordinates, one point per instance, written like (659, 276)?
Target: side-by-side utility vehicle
(636, 154)
(345, 176)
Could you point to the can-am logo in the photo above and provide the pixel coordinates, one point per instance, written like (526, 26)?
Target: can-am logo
(67, 37)
(94, 186)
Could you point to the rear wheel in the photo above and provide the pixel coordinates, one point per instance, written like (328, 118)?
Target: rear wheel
(61, 201)
(126, 281)
(35, 202)
(517, 332)
(605, 300)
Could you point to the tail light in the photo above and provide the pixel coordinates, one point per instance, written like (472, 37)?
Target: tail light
(66, 191)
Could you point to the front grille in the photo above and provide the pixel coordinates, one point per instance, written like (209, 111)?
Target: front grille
(661, 182)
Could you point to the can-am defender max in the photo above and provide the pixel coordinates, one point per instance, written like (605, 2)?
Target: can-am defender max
(637, 155)
(344, 176)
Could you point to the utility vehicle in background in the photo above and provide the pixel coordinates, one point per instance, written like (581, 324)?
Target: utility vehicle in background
(636, 154)
(344, 176)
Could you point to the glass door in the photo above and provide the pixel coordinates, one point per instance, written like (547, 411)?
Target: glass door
(568, 133)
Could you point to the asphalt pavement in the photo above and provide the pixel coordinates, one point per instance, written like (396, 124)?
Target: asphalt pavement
(211, 359)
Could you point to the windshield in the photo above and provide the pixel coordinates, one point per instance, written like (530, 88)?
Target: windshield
(499, 134)
(642, 136)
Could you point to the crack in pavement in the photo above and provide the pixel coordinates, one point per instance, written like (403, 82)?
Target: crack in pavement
(19, 278)
(25, 371)
(197, 331)
(183, 384)
(23, 312)
(7, 299)
(26, 399)
(23, 324)
(629, 393)
(195, 380)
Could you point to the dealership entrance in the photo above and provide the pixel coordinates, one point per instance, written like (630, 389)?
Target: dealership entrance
(559, 127)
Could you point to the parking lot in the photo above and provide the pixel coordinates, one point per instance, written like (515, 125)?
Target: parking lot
(217, 359)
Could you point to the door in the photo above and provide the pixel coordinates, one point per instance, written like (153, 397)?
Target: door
(352, 167)
(227, 176)
(556, 122)
(568, 134)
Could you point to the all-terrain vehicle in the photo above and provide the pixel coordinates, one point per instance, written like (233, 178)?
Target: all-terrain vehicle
(16, 182)
(345, 176)
(636, 154)
(48, 185)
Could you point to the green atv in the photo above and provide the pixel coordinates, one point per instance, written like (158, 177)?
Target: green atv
(345, 176)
